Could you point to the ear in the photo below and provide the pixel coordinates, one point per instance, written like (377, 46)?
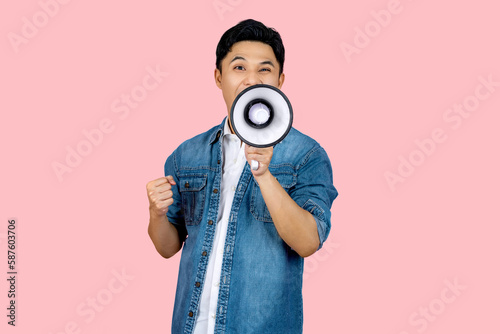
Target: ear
(218, 78)
(281, 80)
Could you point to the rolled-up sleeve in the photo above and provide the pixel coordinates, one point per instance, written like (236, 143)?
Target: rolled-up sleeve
(175, 214)
(314, 190)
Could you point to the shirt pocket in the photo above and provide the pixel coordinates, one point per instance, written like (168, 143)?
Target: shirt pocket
(258, 206)
(192, 190)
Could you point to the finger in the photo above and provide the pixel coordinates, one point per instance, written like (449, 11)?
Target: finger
(257, 157)
(158, 182)
(163, 188)
(157, 197)
(164, 195)
(253, 150)
(163, 205)
(154, 193)
(262, 161)
(259, 150)
(170, 179)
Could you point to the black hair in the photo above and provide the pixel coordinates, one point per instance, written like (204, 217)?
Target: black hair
(250, 30)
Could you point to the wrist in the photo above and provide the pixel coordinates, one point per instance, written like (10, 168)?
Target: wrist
(264, 178)
(153, 214)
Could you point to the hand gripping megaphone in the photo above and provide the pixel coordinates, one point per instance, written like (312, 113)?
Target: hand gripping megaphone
(261, 116)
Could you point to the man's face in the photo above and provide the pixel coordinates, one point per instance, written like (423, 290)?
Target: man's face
(247, 64)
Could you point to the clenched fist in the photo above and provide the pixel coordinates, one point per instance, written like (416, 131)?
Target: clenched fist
(262, 155)
(160, 195)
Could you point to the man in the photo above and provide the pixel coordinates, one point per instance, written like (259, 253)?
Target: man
(243, 233)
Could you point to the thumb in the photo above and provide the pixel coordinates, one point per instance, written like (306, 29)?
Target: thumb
(170, 179)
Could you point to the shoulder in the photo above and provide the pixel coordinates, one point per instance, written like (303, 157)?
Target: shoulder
(194, 152)
(201, 140)
(296, 137)
(297, 148)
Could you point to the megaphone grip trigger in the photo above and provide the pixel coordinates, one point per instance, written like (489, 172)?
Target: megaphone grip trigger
(255, 165)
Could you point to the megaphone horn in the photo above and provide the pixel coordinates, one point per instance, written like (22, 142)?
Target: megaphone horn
(261, 116)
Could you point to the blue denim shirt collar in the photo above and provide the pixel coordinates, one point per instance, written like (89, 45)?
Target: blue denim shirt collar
(217, 133)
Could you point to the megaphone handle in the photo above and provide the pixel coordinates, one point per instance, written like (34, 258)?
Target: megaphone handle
(254, 165)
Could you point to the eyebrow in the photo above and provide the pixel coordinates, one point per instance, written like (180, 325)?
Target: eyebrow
(266, 62)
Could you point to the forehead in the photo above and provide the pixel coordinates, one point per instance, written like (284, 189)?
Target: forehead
(251, 50)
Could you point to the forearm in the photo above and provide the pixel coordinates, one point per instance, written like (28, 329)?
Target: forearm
(164, 235)
(296, 226)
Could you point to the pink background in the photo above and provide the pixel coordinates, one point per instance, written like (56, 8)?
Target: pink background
(391, 251)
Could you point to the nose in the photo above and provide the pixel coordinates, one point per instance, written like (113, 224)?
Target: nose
(251, 79)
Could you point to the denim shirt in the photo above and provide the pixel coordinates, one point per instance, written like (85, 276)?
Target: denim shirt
(261, 280)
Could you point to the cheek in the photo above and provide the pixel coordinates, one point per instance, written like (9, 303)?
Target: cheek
(228, 96)
(232, 87)
(272, 80)
(229, 84)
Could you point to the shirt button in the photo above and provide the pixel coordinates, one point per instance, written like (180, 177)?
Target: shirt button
(197, 284)
(213, 316)
(190, 314)
(216, 191)
(235, 161)
(186, 185)
(210, 222)
(234, 188)
(204, 253)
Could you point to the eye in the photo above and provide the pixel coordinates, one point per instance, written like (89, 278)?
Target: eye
(265, 69)
(239, 68)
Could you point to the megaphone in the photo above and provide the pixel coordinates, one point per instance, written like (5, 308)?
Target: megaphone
(261, 116)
